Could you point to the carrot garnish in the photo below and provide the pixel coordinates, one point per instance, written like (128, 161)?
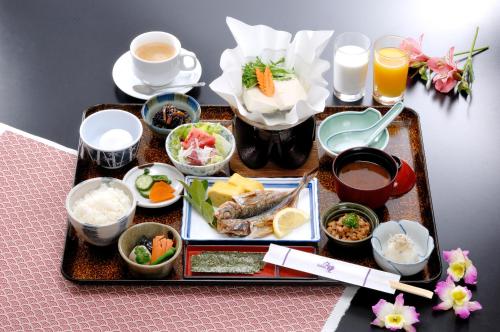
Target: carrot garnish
(161, 191)
(160, 246)
(265, 80)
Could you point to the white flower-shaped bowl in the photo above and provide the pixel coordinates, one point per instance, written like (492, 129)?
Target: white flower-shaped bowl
(424, 244)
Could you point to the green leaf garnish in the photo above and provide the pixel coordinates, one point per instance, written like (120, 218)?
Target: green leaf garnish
(280, 73)
(351, 220)
(196, 195)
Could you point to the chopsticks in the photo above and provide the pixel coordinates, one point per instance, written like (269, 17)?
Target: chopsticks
(411, 289)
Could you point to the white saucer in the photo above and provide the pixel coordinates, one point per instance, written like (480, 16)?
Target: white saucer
(124, 78)
(155, 169)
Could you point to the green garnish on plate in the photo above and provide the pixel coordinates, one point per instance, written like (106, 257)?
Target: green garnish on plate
(196, 195)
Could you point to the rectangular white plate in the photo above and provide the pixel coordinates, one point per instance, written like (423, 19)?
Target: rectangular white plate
(195, 228)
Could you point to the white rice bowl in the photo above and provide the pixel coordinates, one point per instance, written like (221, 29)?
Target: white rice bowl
(100, 209)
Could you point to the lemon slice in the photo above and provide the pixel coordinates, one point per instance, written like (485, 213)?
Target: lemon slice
(287, 220)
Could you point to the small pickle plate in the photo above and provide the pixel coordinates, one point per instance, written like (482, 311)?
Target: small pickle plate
(155, 169)
(196, 229)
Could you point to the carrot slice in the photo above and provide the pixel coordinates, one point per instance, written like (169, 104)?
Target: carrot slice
(265, 81)
(170, 244)
(160, 246)
(156, 249)
(161, 191)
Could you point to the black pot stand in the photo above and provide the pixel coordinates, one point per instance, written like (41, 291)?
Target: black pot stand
(288, 148)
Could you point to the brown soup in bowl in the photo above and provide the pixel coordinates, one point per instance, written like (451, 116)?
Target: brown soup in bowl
(364, 175)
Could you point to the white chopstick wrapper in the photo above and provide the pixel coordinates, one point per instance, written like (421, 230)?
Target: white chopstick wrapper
(331, 268)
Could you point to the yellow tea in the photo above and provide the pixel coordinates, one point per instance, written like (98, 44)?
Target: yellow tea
(155, 51)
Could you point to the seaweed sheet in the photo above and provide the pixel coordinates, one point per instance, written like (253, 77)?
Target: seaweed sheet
(227, 262)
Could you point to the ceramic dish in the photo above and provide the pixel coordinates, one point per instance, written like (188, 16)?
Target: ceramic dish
(181, 101)
(155, 169)
(269, 271)
(348, 120)
(342, 208)
(93, 129)
(96, 234)
(195, 228)
(424, 245)
(128, 240)
(125, 80)
(206, 169)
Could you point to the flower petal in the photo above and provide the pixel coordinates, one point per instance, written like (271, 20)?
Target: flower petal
(399, 303)
(445, 85)
(448, 255)
(470, 276)
(445, 305)
(409, 328)
(444, 288)
(378, 322)
(410, 315)
(451, 62)
(382, 309)
(438, 65)
(474, 306)
(462, 311)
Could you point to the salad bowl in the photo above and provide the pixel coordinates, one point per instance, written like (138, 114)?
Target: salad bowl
(189, 153)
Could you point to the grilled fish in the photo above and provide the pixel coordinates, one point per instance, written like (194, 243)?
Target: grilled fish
(252, 214)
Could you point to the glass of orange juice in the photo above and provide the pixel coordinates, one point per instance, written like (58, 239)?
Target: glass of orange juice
(390, 70)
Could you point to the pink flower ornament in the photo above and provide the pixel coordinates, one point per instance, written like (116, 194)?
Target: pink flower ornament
(446, 72)
(456, 297)
(460, 266)
(395, 316)
(414, 50)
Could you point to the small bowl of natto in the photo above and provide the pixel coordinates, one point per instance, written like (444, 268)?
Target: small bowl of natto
(349, 224)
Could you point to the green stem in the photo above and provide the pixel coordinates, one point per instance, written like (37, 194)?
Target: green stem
(477, 50)
(473, 43)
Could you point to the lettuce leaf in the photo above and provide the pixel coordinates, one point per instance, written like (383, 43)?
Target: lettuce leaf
(196, 195)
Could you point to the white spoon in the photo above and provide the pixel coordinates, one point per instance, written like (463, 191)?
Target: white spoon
(149, 90)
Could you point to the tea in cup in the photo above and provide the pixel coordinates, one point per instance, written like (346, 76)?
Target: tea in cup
(157, 58)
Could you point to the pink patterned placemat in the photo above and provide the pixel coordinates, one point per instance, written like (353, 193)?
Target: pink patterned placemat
(34, 180)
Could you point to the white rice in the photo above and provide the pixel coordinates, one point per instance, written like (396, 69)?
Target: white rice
(102, 206)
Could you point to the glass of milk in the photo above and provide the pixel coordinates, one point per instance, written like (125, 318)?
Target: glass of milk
(351, 54)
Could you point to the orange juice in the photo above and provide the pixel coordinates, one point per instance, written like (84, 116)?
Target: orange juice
(390, 69)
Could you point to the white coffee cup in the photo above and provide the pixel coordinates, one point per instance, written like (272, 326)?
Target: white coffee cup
(161, 72)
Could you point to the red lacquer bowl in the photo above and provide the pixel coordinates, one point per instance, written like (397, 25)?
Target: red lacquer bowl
(373, 198)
